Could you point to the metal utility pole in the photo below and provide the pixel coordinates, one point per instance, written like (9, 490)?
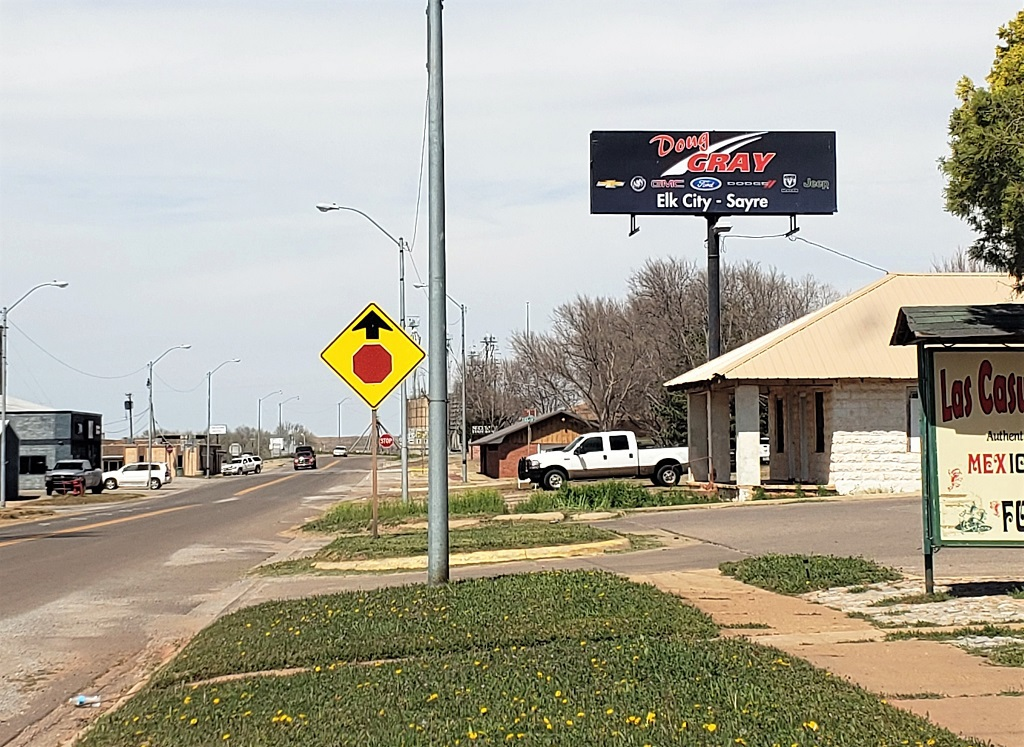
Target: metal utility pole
(374, 501)
(3, 383)
(714, 289)
(465, 473)
(128, 407)
(259, 418)
(152, 419)
(437, 496)
(325, 207)
(209, 398)
(339, 417)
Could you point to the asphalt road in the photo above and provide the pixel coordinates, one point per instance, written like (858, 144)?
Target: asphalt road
(99, 595)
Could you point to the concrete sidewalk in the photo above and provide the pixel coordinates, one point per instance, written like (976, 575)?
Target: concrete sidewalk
(945, 684)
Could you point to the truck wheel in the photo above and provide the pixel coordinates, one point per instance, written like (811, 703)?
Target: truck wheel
(49, 491)
(97, 489)
(110, 483)
(553, 479)
(155, 483)
(667, 475)
(258, 470)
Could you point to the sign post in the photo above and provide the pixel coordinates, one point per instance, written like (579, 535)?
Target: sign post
(373, 355)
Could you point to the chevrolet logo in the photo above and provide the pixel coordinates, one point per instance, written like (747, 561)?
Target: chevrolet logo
(609, 184)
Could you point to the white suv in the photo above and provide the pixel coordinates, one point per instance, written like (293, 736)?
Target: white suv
(138, 474)
(242, 465)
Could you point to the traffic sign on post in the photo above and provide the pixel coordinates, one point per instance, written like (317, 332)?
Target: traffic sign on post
(386, 440)
(373, 355)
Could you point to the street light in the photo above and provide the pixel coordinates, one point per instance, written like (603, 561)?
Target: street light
(259, 418)
(280, 405)
(152, 420)
(402, 246)
(3, 384)
(339, 417)
(209, 387)
(462, 312)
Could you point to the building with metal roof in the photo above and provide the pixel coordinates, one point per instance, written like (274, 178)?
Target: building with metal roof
(839, 402)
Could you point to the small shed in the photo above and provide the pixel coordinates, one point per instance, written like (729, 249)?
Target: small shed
(501, 451)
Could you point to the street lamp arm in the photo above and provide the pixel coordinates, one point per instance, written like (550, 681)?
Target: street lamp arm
(55, 283)
(176, 347)
(325, 207)
(218, 368)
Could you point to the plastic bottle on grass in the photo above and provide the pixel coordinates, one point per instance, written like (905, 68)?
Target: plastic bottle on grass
(83, 701)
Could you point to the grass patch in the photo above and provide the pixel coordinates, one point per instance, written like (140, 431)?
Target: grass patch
(937, 596)
(354, 516)
(1007, 655)
(107, 496)
(624, 691)
(916, 696)
(796, 574)
(415, 620)
(492, 537)
(983, 631)
(608, 495)
(1017, 593)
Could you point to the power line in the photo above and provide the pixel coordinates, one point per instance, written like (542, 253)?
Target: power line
(68, 365)
(840, 254)
(419, 181)
(179, 391)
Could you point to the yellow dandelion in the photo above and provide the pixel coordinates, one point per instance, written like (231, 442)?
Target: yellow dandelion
(568, 722)
(472, 734)
(483, 709)
(812, 725)
(433, 696)
(193, 722)
(609, 711)
(226, 735)
(216, 701)
(187, 700)
(558, 693)
(650, 717)
(711, 727)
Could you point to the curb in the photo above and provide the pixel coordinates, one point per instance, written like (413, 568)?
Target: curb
(417, 562)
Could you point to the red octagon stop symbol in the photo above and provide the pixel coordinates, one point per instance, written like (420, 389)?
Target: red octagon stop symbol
(371, 363)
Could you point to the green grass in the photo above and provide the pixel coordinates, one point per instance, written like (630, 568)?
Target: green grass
(1017, 593)
(796, 574)
(608, 495)
(507, 535)
(355, 516)
(1007, 655)
(626, 691)
(415, 620)
(937, 596)
(985, 631)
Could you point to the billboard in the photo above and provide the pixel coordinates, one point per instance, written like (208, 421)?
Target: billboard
(702, 172)
(979, 446)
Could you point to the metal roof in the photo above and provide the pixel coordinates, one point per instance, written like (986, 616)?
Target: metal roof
(499, 436)
(993, 324)
(849, 339)
(22, 405)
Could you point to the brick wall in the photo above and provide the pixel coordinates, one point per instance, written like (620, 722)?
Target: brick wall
(869, 440)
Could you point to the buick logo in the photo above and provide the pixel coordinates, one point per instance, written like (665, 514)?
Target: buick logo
(705, 183)
(789, 181)
(638, 183)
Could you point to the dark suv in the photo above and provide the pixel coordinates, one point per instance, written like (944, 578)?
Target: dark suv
(305, 458)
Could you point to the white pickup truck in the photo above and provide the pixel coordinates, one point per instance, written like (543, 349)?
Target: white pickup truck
(596, 456)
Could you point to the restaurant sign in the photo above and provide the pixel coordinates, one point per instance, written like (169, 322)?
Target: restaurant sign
(977, 434)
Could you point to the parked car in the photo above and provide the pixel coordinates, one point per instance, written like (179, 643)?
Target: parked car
(139, 474)
(257, 459)
(305, 458)
(240, 465)
(66, 472)
(603, 455)
(340, 451)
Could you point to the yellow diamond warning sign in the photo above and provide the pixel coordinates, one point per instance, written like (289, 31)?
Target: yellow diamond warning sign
(373, 355)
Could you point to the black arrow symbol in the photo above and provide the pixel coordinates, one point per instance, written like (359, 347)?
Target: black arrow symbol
(373, 324)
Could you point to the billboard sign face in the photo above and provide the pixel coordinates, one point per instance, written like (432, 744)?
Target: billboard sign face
(979, 446)
(701, 172)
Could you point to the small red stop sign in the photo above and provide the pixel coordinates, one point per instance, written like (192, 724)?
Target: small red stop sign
(386, 440)
(371, 363)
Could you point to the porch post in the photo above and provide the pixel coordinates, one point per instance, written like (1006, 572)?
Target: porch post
(718, 414)
(748, 439)
(697, 435)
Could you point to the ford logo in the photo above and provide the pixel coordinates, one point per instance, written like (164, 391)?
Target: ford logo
(706, 183)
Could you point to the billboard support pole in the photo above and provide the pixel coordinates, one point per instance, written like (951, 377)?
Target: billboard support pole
(714, 298)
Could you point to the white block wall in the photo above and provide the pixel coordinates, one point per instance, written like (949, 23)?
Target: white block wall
(869, 439)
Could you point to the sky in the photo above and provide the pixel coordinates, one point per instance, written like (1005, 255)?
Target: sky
(165, 158)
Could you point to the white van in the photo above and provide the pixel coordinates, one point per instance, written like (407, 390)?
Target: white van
(138, 475)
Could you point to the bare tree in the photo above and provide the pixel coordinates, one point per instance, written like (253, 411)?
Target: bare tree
(960, 261)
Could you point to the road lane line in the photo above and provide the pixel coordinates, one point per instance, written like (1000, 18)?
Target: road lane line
(265, 485)
(226, 500)
(97, 525)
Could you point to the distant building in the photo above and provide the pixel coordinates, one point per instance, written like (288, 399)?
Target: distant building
(500, 451)
(842, 404)
(47, 435)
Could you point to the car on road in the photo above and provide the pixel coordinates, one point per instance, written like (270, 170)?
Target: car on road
(340, 451)
(305, 458)
(257, 459)
(240, 465)
(139, 474)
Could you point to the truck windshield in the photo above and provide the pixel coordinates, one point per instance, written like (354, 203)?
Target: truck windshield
(571, 445)
(68, 465)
